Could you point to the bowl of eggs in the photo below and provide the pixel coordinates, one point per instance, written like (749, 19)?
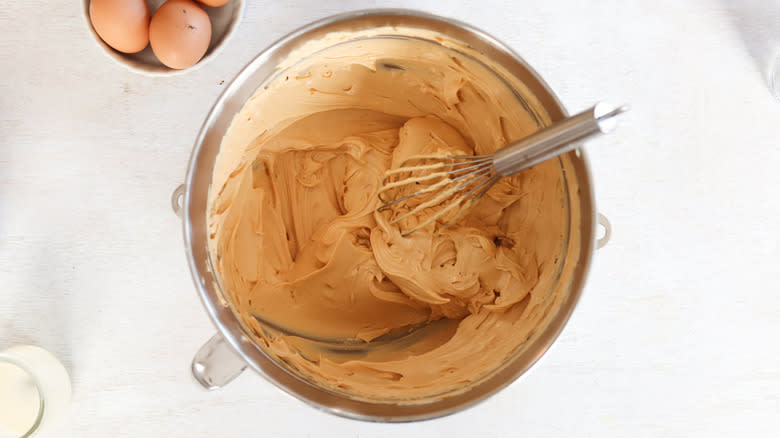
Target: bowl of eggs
(162, 37)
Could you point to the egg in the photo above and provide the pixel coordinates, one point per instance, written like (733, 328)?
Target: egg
(214, 3)
(122, 24)
(180, 33)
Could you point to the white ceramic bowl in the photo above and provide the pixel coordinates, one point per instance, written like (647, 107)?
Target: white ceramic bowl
(224, 22)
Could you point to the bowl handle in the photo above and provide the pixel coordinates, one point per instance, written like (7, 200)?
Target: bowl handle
(216, 364)
(604, 222)
(176, 200)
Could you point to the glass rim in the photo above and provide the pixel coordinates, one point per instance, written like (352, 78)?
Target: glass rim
(773, 76)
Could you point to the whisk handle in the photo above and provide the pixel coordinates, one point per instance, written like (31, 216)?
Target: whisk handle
(557, 139)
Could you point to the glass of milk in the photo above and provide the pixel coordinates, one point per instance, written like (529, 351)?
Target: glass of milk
(34, 391)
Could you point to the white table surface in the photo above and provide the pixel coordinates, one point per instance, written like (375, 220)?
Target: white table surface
(677, 332)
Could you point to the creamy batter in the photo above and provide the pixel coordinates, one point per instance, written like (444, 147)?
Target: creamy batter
(329, 287)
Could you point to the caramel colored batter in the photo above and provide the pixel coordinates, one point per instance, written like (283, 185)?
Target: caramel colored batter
(329, 287)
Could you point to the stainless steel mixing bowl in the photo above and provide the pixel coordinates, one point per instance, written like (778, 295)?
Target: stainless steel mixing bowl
(232, 348)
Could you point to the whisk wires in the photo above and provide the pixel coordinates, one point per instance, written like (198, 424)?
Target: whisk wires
(444, 184)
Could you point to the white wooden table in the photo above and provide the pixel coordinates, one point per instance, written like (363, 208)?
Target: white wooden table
(677, 333)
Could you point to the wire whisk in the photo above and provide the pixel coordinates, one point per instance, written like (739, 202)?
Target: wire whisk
(450, 185)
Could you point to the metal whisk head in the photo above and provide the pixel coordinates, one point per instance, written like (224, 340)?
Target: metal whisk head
(450, 185)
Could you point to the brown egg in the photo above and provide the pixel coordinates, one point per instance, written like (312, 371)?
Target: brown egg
(122, 24)
(180, 33)
(214, 3)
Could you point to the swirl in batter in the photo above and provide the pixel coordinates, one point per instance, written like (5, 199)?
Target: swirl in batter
(306, 260)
